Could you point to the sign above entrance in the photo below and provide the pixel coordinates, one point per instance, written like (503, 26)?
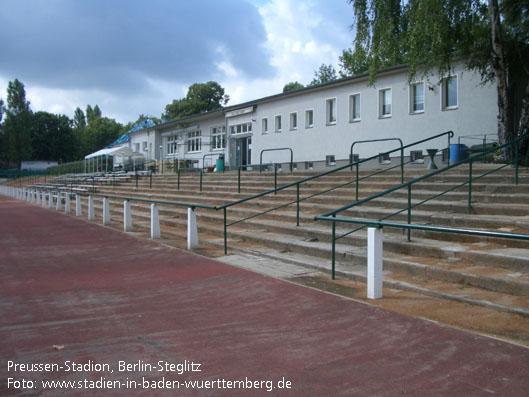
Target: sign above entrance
(238, 112)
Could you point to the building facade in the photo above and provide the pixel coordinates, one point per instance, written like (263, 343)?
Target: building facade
(320, 123)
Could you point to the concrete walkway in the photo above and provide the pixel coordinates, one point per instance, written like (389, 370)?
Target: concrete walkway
(133, 315)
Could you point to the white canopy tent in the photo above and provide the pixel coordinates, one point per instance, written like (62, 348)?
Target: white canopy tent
(92, 160)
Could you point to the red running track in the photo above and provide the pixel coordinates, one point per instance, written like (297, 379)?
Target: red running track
(110, 298)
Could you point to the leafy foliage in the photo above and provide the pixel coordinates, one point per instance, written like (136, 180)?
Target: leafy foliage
(292, 86)
(324, 74)
(52, 137)
(201, 97)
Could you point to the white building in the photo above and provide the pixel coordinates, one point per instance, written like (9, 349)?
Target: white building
(320, 123)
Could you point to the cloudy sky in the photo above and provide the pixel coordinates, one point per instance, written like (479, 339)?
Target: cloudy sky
(133, 57)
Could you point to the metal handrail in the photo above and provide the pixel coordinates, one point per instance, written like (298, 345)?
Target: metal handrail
(188, 205)
(331, 215)
(260, 169)
(281, 148)
(382, 140)
(303, 180)
(211, 155)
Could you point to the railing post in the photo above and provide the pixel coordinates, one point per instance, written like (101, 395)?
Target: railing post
(127, 218)
(201, 180)
(469, 206)
(91, 208)
(150, 180)
(44, 199)
(239, 180)
(106, 211)
(356, 184)
(297, 204)
(225, 233)
(50, 200)
(409, 211)
(78, 208)
(401, 163)
(155, 222)
(275, 178)
(58, 207)
(38, 197)
(178, 180)
(192, 234)
(136, 176)
(67, 206)
(333, 249)
(374, 262)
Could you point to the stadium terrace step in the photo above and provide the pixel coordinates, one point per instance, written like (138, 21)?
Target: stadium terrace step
(490, 272)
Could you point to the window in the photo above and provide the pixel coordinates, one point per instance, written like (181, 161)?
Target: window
(449, 92)
(445, 155)
(417, 98)
(145, 146)
(293, 121)
(194, 141)
(416, 156)
(309, 165)
(331, 111)
(384, 101)
(330, 160)
(383, 158)
(137, 147)
(242, 128)
(309, 118)
(356, 158)
(278, 123)
(354, 107)
(171, 144)
(218, 137)
(265, 125)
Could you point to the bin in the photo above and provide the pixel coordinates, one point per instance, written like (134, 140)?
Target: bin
(458, 152)
(220, 164)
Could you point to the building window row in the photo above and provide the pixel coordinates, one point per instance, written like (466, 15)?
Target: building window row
(242, 128)
(385, 103)
(172, 145)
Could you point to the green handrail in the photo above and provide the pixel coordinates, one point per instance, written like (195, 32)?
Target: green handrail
(379, 140)
(210, 155)
(260, 168)
(189, 205)
(281, 148)
(331, 215)
(299, 182)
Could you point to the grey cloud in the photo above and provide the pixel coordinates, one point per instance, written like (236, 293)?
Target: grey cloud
(115, 45)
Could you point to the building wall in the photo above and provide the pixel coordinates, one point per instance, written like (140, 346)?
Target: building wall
(475, 114)
(146, 142)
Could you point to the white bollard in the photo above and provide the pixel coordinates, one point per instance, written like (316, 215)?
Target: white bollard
(155, 222)
(67, 206)
(31, 196)
(106, 212)
(192, 235)
(127, 216)
(90, 208)
(44, 204)
(50, 200)
(38, 197)
(78, 208)
(374, 262)
(58, 207)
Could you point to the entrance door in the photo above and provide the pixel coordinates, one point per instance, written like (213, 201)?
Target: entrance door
(243, 151)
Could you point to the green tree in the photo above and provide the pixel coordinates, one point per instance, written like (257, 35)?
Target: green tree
(92, 114)
(431, 35)
(292, 86)
(79, 120)
(17, 124)
(324, 74)
(52, 137)
(201, 97)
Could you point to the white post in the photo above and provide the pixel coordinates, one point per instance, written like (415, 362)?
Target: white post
(59, 202)
(44, 199)
(78, 208)
(155, 222)
(90, 208)
(127, 218)
(50, 200)
(106, 212)
(192, 235)
(37, 193)
(67, 206)
(374, 262)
